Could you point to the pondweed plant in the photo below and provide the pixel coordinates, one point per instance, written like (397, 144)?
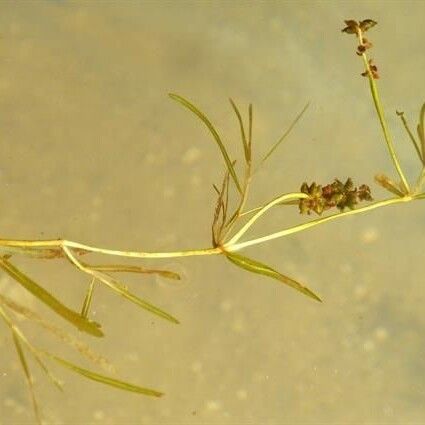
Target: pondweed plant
(231, 222)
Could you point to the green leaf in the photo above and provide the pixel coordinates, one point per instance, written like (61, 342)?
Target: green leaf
(276, 145)
(411, 136)
(421, 129)
(121, 290)
(28, 376)
(260, 268)
(44, 296)
(121, 385)
(213, 131)
(388, 184)
(250, 127)
(119, 268)
(245, 143)
(88, 299)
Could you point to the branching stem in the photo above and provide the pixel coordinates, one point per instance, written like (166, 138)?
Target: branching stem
(305, 226)
(378, 106)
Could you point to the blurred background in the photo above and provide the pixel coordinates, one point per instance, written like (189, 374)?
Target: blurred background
(93, 150)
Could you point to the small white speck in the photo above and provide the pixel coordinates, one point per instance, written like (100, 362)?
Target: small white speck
(132, 357)
(226, 305)
(96, 201)
(368, 346)
(346, 268)
(168, 192)
(241, 394)
(213, 405)
(369, 235)
(196, 181)
(381, 334)
(388, 411)
(9, 402)
(94, 216)
(196, 367)
(151, 158)
(47, 190)
(99, 415)
(238, 325)
(360, 292)
(191, 155)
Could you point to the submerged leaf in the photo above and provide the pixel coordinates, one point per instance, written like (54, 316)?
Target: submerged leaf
(250, 127)
(246, 145)
(388, 184)
(28, 375)
(44, 296)
(220, 212)
(260, 268)
(213, 131)
(121, 385)
(119, 268)
(421, 129)
(276, 145)
(411, 136)
(59, 333)
(88, 299)
(121, 290)
(33, 251)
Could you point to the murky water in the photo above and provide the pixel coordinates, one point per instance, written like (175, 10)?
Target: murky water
(94, 151)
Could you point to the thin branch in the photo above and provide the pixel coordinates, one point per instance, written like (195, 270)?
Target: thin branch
(252, 220)
(305, 226)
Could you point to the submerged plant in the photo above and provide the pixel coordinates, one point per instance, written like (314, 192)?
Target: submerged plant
(231, 221)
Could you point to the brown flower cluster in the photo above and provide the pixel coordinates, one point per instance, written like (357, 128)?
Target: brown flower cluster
(359, 28)
(336, 194)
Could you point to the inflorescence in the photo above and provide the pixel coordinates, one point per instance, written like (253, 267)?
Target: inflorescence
(336, 194)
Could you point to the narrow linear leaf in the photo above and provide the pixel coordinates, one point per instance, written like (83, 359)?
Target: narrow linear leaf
(103, 379)
(220, 212)
(33, 251)
(118, 268)
(44, 296)
(243, 135)
(421, 129)
(59, 333)
(213, 131)
(411, 136)
(388, 184)
(121, 290)
(18, 333)
(28, 375)
(250, 113)
(88, 299)
(276, 145)
(255, 266)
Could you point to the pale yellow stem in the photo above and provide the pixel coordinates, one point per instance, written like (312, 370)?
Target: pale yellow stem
(305, 226)
(253, 219)
(61, 243)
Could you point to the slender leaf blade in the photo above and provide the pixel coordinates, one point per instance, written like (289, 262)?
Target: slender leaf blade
(82, 323)
(411, 136)
(124, 268)
(28, 375)
(276, 145)
(214, 133)
(121, 290)
(59, 333)
(103, 379)
(250, 129)
(255, 266)
(243, 135)
(421, 129)
(88, 299)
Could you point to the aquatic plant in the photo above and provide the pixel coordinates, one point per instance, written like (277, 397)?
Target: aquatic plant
(231, 221)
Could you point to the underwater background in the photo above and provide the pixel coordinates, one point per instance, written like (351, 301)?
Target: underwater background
(93, 150)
